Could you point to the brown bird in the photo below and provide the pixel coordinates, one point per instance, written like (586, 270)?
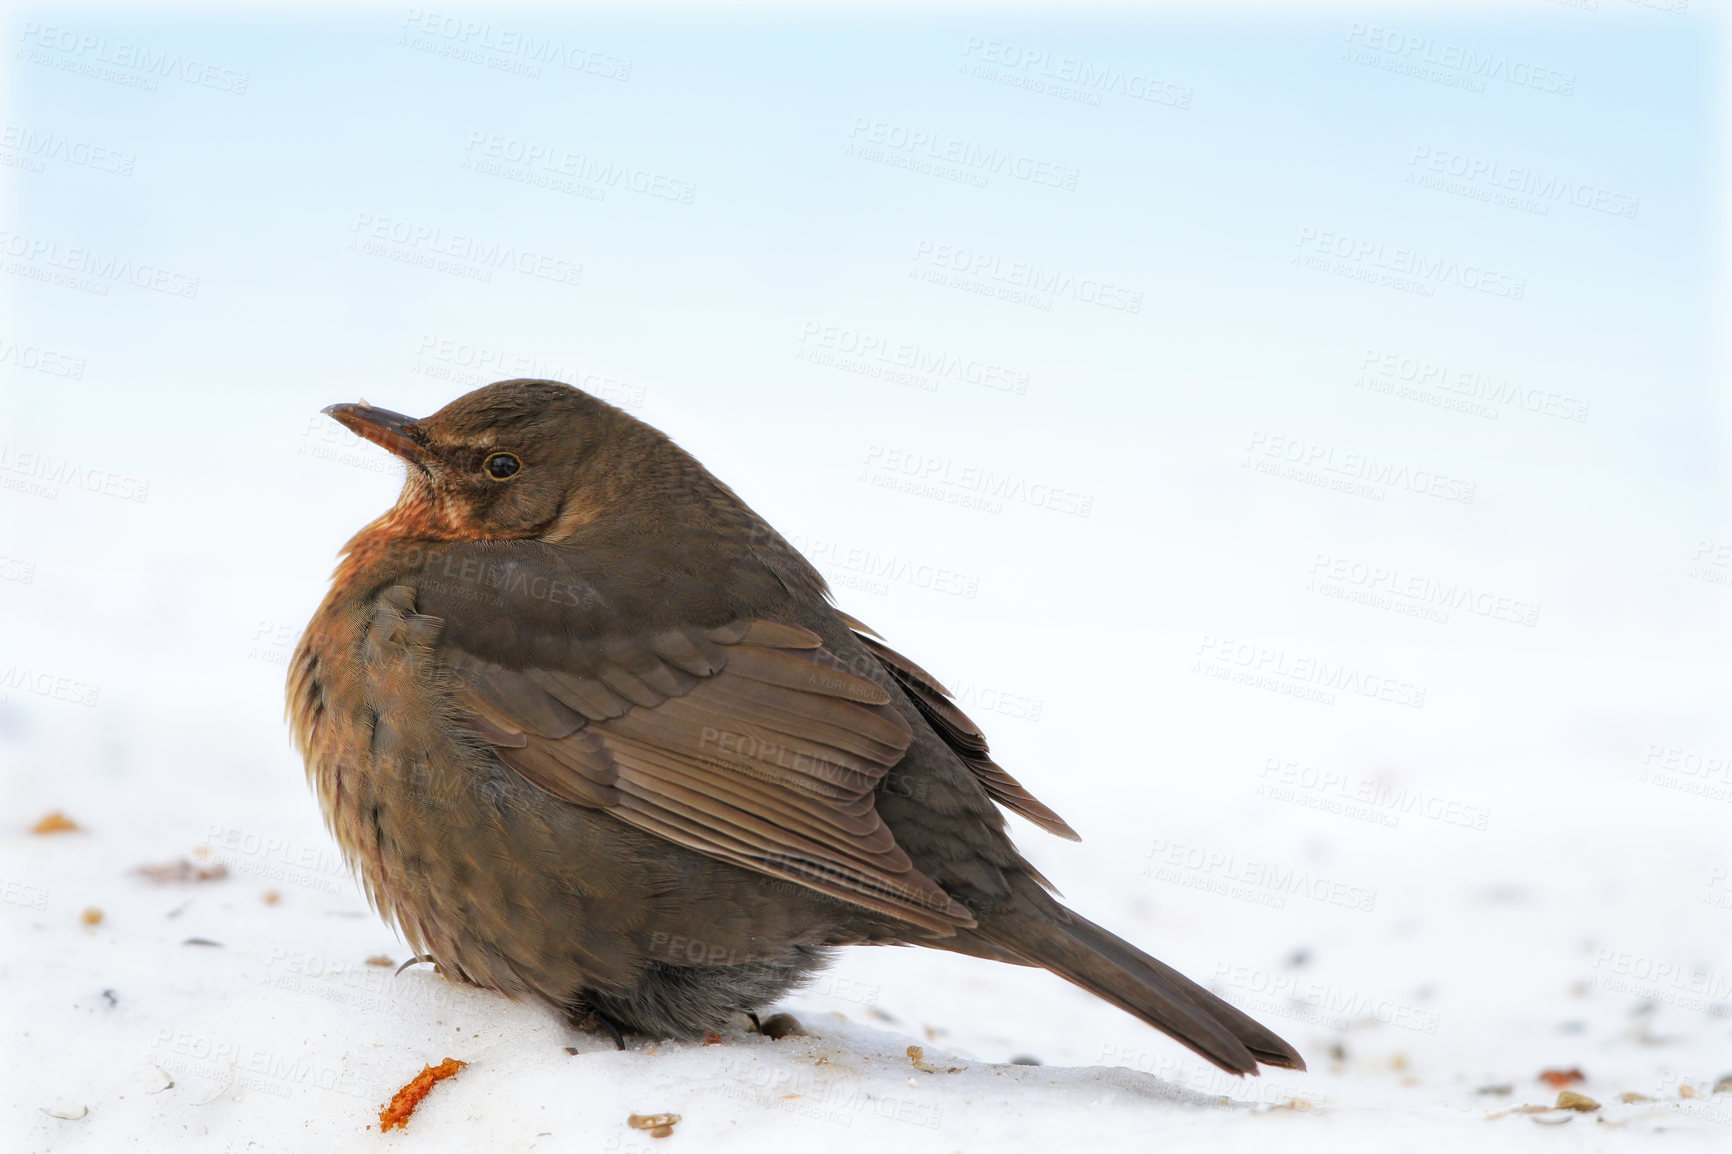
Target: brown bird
(593, 732)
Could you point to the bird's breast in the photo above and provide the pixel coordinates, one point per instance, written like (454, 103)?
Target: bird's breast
(371, 719)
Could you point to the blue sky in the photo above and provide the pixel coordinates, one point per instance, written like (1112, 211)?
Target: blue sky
(1231, 179)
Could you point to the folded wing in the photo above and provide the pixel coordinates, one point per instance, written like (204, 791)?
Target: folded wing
(748, 742)
(960, 733)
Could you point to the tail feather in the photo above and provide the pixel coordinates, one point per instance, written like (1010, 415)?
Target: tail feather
(1111, 968)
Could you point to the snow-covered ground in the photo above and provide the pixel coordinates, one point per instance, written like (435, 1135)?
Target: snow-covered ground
(1337, 540)
(1428, 970)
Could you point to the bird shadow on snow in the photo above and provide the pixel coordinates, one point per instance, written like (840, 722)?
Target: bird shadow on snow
(838, 1053)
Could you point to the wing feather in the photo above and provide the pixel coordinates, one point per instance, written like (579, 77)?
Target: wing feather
(963, 735)
(749, 742)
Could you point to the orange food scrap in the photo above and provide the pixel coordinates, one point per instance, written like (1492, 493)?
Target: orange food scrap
(1558, 1079)
(55, 822)
(711, 1038)
(91, 916)
(403, 1103)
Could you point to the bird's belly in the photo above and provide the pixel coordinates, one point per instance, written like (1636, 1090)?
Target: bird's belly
(512, 888)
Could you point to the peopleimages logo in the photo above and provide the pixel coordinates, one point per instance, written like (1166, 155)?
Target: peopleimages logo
(462, 254)
(50, 685)
(1276, 452)
(888, 463)
(50, 473)
(1386, 372)
(556, 162)
(1545, 187)
(1249, 879)
(44, 253)
(1300, 675)
(86, 50)
(1399, 51)
(1022, 279)
(43, 146)
(40, 360)
(1392, 581)
(1408, 262)
(887, 142)
(925, 361)
(1066, 76)
(1385, 804)
(461, 37)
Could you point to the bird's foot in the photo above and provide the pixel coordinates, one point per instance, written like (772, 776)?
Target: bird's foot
(416, 960)
(778, 1026)
(592, 1021)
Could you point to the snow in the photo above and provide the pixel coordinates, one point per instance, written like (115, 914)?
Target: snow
(1439, 849)
(281, 1035)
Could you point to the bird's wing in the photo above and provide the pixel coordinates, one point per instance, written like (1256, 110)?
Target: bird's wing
(960, 733)
(748, 742)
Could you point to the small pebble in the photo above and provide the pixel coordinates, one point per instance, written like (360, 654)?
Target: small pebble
(659, 1125)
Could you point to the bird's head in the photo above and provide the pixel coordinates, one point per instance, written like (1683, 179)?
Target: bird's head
(511, 460)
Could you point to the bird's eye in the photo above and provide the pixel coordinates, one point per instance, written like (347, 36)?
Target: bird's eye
(502, 466)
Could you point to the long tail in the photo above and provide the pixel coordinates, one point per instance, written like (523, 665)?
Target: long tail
(1043, 933)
